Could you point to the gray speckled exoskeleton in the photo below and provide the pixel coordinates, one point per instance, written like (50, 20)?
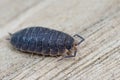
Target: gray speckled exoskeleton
(45, 41)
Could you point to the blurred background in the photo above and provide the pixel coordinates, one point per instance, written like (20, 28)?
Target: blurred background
(98, 21)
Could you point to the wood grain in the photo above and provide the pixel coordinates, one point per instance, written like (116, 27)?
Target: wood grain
(98, 21)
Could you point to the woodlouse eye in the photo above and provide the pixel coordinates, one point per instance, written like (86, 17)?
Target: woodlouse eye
(75, 44)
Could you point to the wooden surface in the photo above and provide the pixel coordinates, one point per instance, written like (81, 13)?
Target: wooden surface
(98, 21)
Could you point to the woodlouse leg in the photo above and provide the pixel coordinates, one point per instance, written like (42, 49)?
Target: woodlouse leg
(82, 39)
(31, 55)
(43, 57)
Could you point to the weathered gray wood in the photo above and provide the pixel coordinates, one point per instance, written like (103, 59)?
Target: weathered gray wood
(98, 21)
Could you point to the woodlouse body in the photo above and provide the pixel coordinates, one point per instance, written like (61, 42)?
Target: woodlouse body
(44, 41)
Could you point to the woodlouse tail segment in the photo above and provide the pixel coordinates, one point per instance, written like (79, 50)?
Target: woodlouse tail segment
(10, 36)
(82, 39)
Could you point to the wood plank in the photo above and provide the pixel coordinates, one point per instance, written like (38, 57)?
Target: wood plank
(10, 9)
(98, 57)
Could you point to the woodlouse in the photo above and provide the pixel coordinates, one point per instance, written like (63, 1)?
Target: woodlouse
(45, 41)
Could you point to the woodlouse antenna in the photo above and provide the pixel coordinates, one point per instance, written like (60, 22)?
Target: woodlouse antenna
(82, 39)
(10, 34)
(7, 38)
(69, 54)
